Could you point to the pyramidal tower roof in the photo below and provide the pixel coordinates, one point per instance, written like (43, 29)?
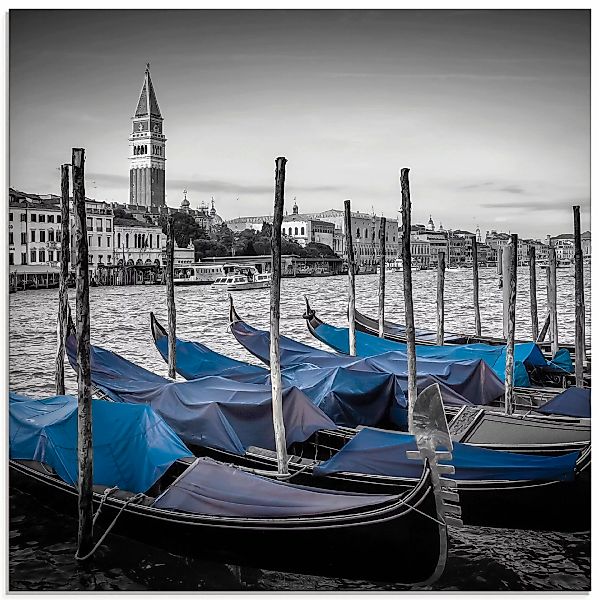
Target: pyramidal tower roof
(147, 104)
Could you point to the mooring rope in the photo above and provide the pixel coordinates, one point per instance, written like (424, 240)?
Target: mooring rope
(131, 500)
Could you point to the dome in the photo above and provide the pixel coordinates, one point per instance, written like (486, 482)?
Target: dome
(185, 203)
(216, 219)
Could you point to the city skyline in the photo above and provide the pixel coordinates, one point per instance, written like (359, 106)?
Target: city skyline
(485, 107)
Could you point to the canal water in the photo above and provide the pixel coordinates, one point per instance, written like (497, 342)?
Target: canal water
(42, 544)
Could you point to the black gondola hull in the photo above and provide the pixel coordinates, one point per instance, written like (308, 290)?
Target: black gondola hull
(394, 543)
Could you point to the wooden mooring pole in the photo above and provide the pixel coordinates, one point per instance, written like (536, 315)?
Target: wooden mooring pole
(579, 301)
(276, 392)
(510, 283)
(170, 289)
(506, 268)
(382, 226)
(441, 272)
(535, 330)
(409, 318)
(351, 279)
(63, 294)
(84, 384)
(476, 287)
(552, 300)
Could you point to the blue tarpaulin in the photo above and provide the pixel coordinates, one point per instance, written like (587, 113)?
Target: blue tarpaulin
(348, 398)
(527, 355)
(133, 446)
(212, 488)
(378, 452)
(461, 382)
(213, 411)
(573, 402)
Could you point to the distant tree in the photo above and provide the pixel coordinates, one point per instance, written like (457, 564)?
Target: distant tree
(184, 227)
(315, 250)
(122, 214)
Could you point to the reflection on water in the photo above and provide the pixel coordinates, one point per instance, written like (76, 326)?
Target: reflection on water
(42, 546)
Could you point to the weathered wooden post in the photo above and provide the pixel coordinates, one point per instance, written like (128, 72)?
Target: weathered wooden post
(170, 289)
(552, 300)
(579, 302)
(476, 287)
(535, 331)
(499, 264)
(84, 383)
(351, 279)
(441, 271)
(382, 225)
(506, 269)
(63, 294)
(276, 393)
(510, 283)
(409, 318)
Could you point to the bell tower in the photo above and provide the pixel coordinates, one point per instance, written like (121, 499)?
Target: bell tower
(147, 150)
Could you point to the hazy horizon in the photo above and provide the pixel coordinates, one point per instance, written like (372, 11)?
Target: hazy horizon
(489, 109)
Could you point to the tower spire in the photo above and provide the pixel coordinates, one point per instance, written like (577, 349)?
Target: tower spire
(147, 104)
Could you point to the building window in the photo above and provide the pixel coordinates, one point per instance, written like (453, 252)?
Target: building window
(358, 233)
(51, 255)
(100, 256)
(33, 235)
(89, 223)
(58, 255)
(91, 259)
(126, 240)
(295, 231)
(42, 235)
(99, 241)
(10, 216)
(51, 235)
(50, 218)
(42, 256)
(23, 258)
(23, 237)
(108, 241)
(58, 218)
(108, 225)
(58, 235)
(119, 239)
(108, 258)
(11, 257)
(33, 217)
(98, 224)
(150, 236)
(33, 256)
(10, 239)
(24, 218)
(89, 240)
(302, 231)
(42, 219)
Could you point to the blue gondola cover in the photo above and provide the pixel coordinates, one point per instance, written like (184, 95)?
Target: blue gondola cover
(212, 488)
(461, 382)
(133, 446)
(573, 402)
(211, 412)
(527, 355)
(378, 452)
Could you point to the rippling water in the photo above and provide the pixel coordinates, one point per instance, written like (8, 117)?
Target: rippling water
(42, 546)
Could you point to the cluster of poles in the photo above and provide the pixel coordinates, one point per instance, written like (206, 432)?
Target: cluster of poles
(84, 387)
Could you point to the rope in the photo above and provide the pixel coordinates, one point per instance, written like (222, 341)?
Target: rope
(106, 494)
(131, 500)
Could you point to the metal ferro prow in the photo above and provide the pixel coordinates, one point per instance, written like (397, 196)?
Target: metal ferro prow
(430, 429)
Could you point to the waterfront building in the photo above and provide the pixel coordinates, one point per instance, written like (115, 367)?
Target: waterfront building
(420, 252)
(137, 243)
(147, 144)
(34, 230)
(99, 226)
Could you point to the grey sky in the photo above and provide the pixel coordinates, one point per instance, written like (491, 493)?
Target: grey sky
(489, 109)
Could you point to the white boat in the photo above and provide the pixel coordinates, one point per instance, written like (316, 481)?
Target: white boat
(243, 278)
(197, 274)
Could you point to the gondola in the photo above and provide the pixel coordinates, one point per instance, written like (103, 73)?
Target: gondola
(530, 365)
(201, 507)
(533, 432)
(397, 333)
(495, 499)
